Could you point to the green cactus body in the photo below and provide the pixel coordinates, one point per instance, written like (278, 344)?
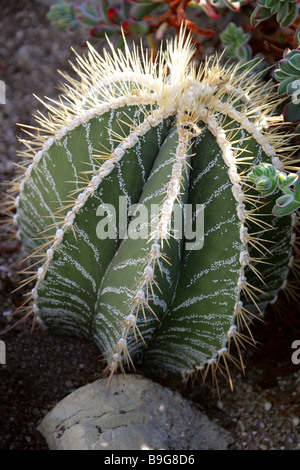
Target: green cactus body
(286, 11)
(155, 134)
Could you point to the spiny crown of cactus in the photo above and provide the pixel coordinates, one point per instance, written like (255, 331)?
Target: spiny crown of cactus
(136, 133)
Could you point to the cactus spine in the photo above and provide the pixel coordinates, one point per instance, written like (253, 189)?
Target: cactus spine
(156, 133)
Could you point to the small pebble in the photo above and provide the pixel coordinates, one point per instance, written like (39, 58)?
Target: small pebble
(295, 420)
(267, 406)
(261, 424)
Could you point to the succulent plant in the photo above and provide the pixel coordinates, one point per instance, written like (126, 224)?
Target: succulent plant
(62, 16)
(267, 179)
(286, 11)
(235, 42)
(135, 134)
(116, 17)
(288, 76)
(102, 17)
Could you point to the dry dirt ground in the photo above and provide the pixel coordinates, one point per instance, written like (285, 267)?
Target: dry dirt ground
(262, 412)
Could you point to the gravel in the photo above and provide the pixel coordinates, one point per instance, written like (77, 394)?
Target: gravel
(262, 412)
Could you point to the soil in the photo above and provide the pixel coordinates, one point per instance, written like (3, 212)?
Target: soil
(261, 412)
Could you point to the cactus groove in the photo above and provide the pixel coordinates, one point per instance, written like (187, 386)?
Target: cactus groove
(154, 132)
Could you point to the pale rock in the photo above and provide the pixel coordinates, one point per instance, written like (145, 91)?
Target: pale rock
(134, 413)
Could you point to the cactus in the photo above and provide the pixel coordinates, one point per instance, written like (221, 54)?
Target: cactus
(133, 134)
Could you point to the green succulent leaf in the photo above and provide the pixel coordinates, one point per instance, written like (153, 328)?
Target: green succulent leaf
(62, 15)
(235, 40)
(141, 9)
(288, 76)
(291, 112)
(286, 209)
(267, 185)
(285, 11)
(285, 200)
